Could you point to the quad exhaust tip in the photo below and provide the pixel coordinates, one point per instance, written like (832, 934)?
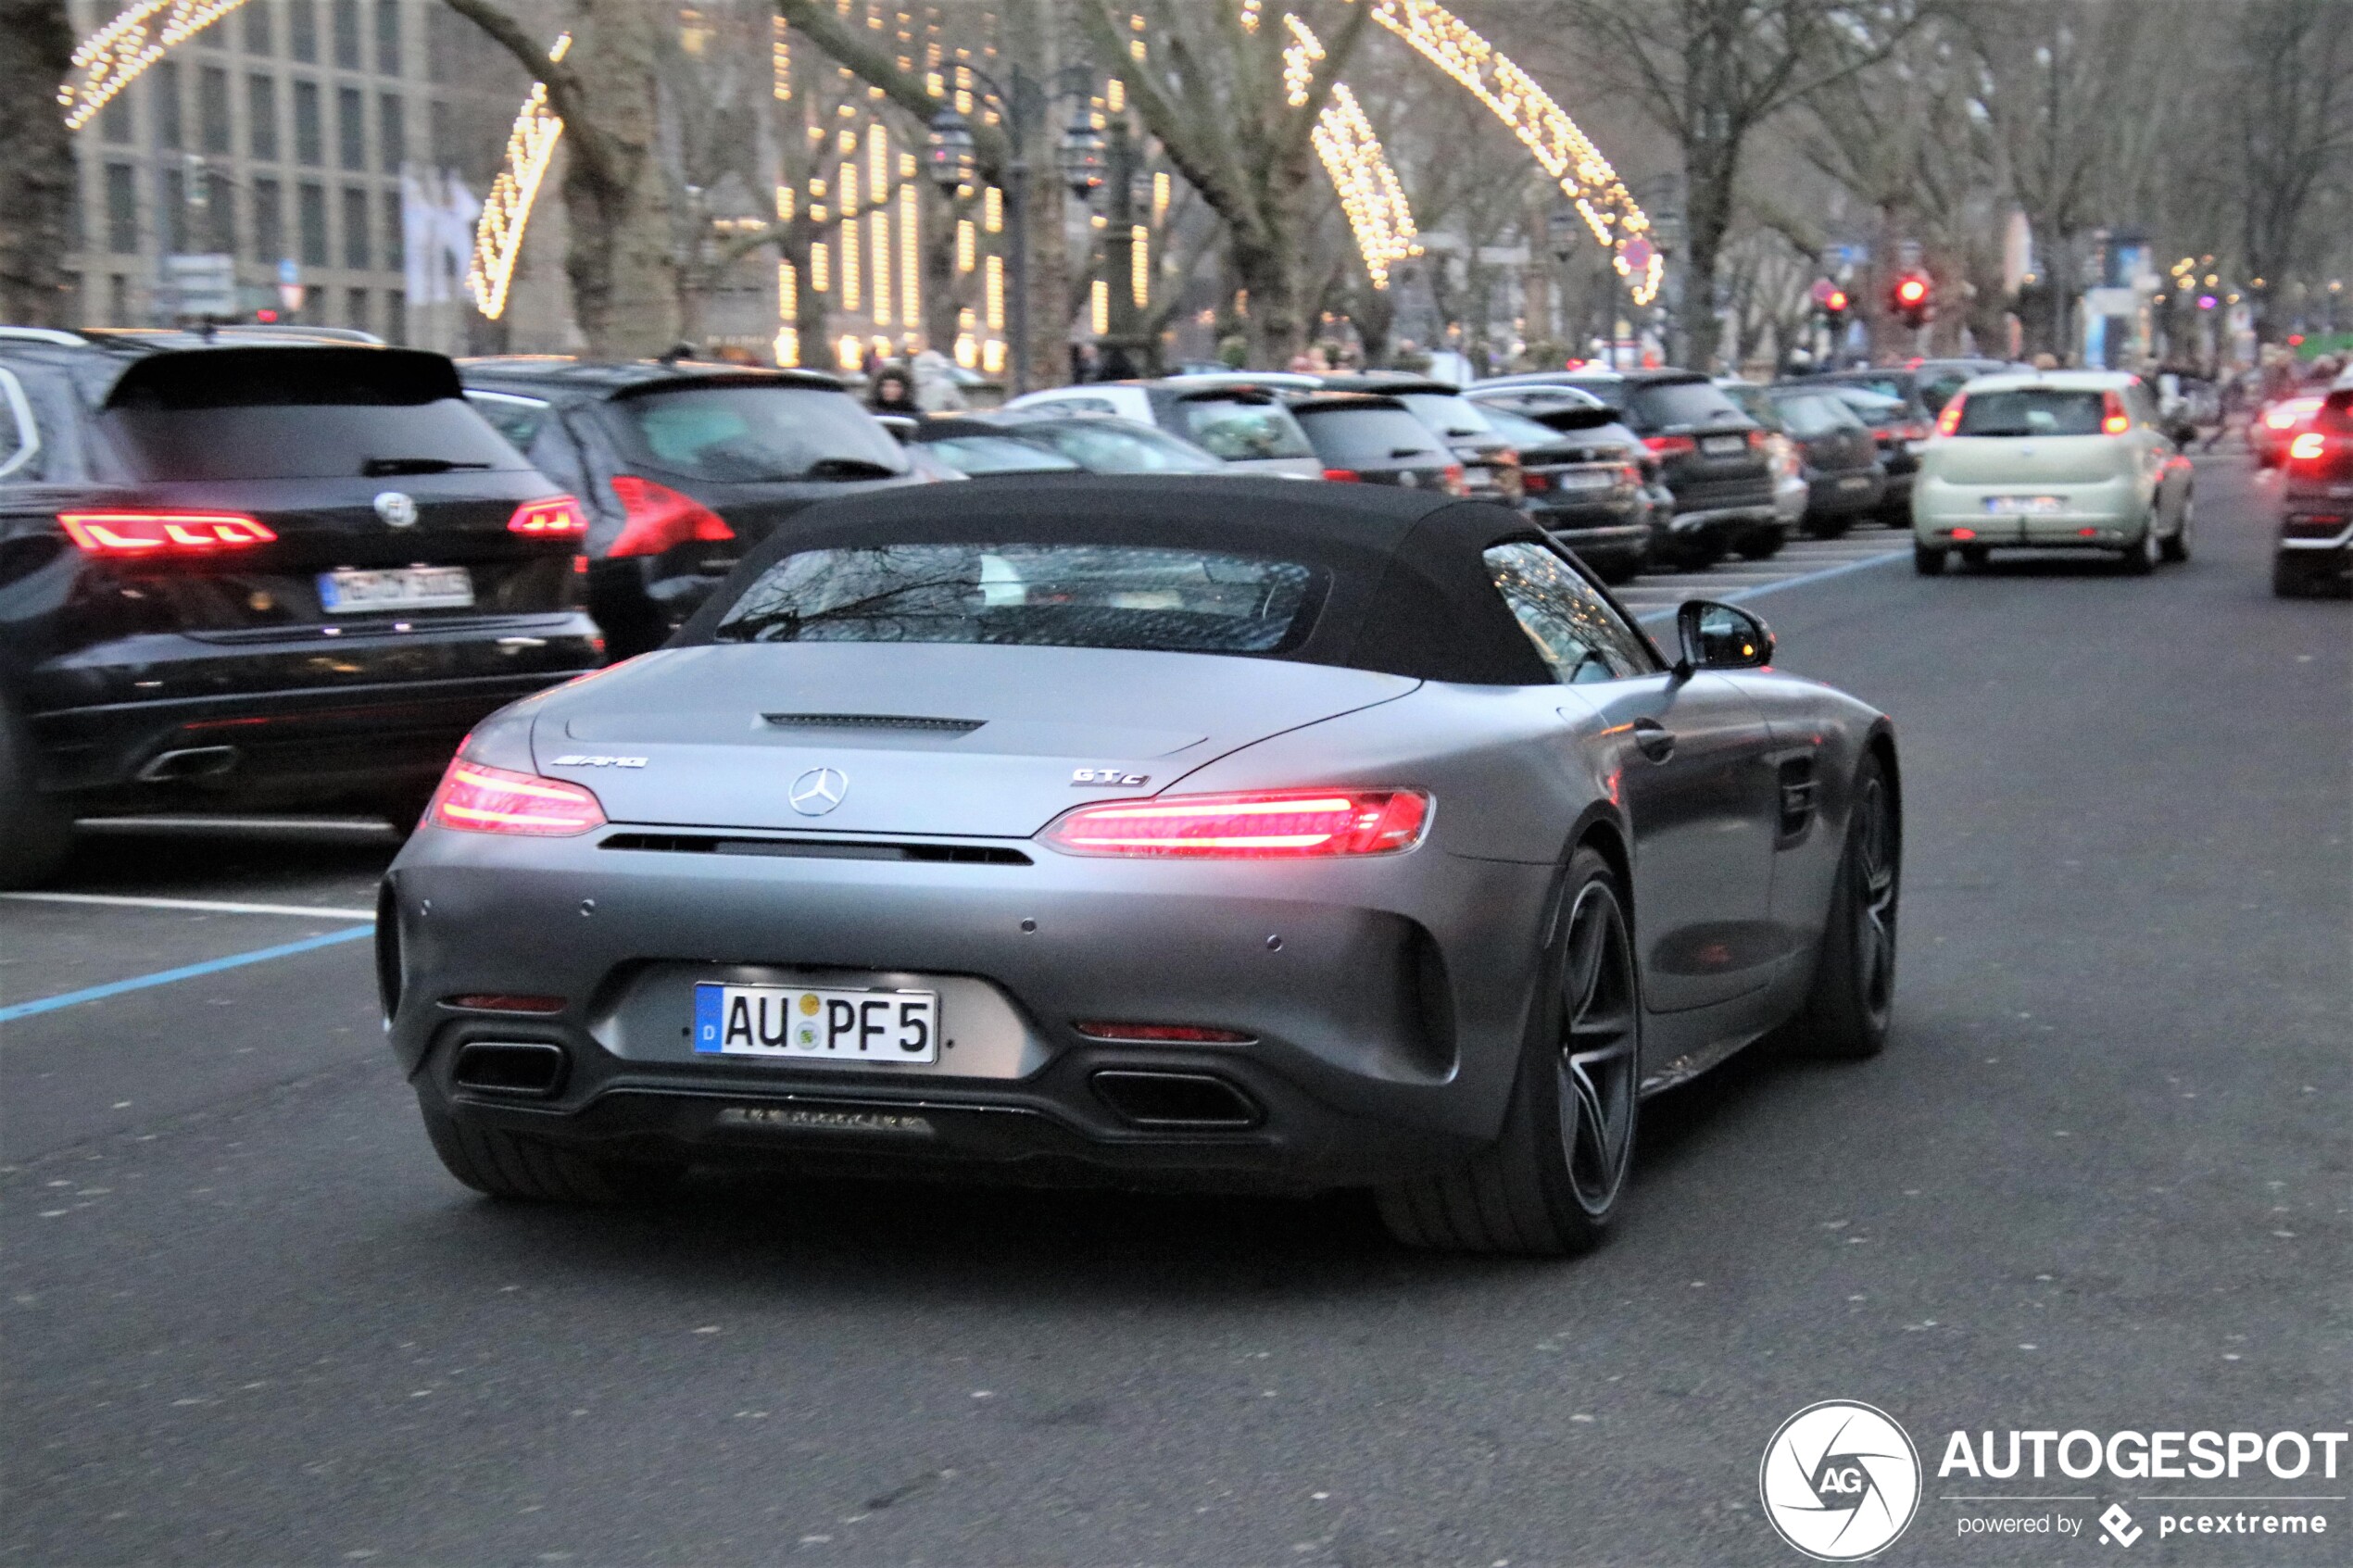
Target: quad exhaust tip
(1176, 1101)
(510, 1067)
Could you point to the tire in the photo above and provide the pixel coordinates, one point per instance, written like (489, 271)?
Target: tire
(1927, 561)
(1761, 546)
(1700, 553)
(38, 837)
(2140, 557)
(1551, 1184)
(2177, 549)
(2289, 580)
(500, 1164)
(1828, 528)
(1846, 1013)
(1976, 555)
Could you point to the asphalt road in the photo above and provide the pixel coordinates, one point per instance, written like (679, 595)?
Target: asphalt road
(2098, 1181)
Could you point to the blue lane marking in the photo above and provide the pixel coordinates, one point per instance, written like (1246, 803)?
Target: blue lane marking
(187, 971)
(1737, 594)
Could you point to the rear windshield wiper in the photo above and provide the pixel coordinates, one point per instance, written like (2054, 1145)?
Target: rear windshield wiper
(379, 467)
(849, 467)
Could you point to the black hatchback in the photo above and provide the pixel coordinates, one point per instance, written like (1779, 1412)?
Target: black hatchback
(257, 572)
(1364, 438)
(681, 467)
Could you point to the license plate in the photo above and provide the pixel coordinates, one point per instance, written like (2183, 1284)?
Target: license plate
(798, 1020)
(1724, 445)
(1584, 482)
(2023, 505)
(1854, 482)
(406, 587)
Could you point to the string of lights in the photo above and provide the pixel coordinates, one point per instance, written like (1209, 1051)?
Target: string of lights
(118, 53)
(530, 144)
(1370, 194)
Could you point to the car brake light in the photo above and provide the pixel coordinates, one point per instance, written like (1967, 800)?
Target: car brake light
(550, 516)
(164, 534)
(1286, 824)
(1948, 418)
(1533, 483)
(2310, 446)
(1453, 481)
(475, 798)
(660, 519)
(2114, 419)
(1916, 432)
(1343, 476)
(1756, 440)
(2288, 415)
(1964, 533)
(1161, 1034)
(1670, 445)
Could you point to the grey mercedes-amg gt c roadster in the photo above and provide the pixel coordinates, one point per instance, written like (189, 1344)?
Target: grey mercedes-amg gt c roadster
(1221, 833)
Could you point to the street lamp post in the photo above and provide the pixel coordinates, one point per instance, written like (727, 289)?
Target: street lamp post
(950, 152)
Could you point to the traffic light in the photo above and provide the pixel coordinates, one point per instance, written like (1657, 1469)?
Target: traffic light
(1834, 306)
(1908, 300)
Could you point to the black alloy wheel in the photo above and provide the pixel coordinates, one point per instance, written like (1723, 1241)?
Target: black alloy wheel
(1853, 999)
(1597, 1087)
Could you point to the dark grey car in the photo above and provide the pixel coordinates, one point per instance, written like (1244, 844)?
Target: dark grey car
(1211, 831)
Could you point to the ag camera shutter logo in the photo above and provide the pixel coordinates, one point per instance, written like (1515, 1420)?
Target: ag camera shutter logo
(1840, 1480)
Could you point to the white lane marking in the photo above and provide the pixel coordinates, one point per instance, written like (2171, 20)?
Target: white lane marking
(1760, 589)
(207, 906)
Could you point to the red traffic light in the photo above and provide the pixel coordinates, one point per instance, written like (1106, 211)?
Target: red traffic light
(1911, 291)
(1835, 301)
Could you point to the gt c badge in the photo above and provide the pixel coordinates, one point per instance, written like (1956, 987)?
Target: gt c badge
(818, 791)
(396, 507)
(586, 759)
(1096, 778)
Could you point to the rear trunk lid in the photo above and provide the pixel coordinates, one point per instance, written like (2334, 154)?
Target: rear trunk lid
(947, 739)
(2021, 463)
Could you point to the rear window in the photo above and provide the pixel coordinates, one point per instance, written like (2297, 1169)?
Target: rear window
(997, 453)
(751, 435)
(1123, 448)
(1886, 386)
(1030, 596)
(1369, 438)
(1446, 413)
(297, 413)
(1681, 403)
(2033, 411)
(1809, 418)
(1241, 432)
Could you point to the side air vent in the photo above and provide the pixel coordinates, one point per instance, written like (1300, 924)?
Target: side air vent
(1798, 788)
(873, 721)
(817, 848)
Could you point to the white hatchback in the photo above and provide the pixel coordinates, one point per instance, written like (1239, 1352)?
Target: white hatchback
(2059, 459)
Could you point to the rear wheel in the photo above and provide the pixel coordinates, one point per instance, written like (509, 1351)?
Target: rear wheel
(2177, 549)
(1700, 553)
(1853, 993)
(500, 1164)
(38, 833)
(1550, 1185)
(1926, 560)
(2139, 556)
(1763, 545)
(1828, 528)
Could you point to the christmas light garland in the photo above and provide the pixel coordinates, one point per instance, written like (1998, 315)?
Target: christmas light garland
(119, 53)
(531, 143)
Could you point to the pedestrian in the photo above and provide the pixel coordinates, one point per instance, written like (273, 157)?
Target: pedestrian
(936, 391)
(892, 393)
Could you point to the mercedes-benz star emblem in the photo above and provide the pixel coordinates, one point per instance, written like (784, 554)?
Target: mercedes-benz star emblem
(818, 791)
(396, 507)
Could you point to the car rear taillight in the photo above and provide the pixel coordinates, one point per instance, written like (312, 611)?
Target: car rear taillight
(475, 798)
(2291, 413)
(1532, 483)
(1756, 440)
(1949, 419)
(2114, 420)
(1343, 476)
(1453, 481)
(550, 516)
(1916, 432)
(2311, 446)
(1161, 1034)
(1670, 445)
(1286, 824)
(164, 534)
(660, 519)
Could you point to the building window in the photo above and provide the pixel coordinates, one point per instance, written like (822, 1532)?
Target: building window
(392, 140)
(355, 229)
(165, 74)
(269, 222)
(113, 120)
(302, 31)
(351, 127)
(347, 33)
(261, 117)
(397, 316)
(395, 234)
(171, 215)
(118, 300)
(220, 215)
(257, 40)
(212, 108)
(445, 134)
(123, 209)
(387, 37)
(354, 309)
(311, 215)
(309, 145)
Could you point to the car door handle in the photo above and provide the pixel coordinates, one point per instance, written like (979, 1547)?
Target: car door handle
(1655, 739)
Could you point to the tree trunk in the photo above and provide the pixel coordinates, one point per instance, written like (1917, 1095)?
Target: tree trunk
(1710, 169)
(622, 262)
(36, 163)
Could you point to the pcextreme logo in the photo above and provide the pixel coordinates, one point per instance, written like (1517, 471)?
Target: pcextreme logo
(1840, 1480)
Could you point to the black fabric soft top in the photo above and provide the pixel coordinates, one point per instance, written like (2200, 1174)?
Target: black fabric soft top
(1409, 593)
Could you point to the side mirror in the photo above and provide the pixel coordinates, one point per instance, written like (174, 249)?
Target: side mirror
(1718, 636)
(901, 426)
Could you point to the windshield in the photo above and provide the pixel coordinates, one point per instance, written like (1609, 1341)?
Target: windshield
(2033, 411)
(1241, 432)
(1104, 448)
(746, 435)
(1032, 595)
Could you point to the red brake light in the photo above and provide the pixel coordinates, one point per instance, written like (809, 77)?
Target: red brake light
(1964, 533)
(2308, 447)
(1161, 1034)
(475, 798)
(660, 519)
(1451, 480)
(1286, 824)
(1533, 483)
(2114, 419)
(2295, 411)
(1756, 439)
(164, 534)
(551, 517)
(1670, 445)
(1916, 432)
(1948, 419)
(1343, 476)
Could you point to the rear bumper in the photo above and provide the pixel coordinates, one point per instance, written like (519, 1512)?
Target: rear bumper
(1618, 543)
(1383, 1037)
(1844, 494)
(2105, 514)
